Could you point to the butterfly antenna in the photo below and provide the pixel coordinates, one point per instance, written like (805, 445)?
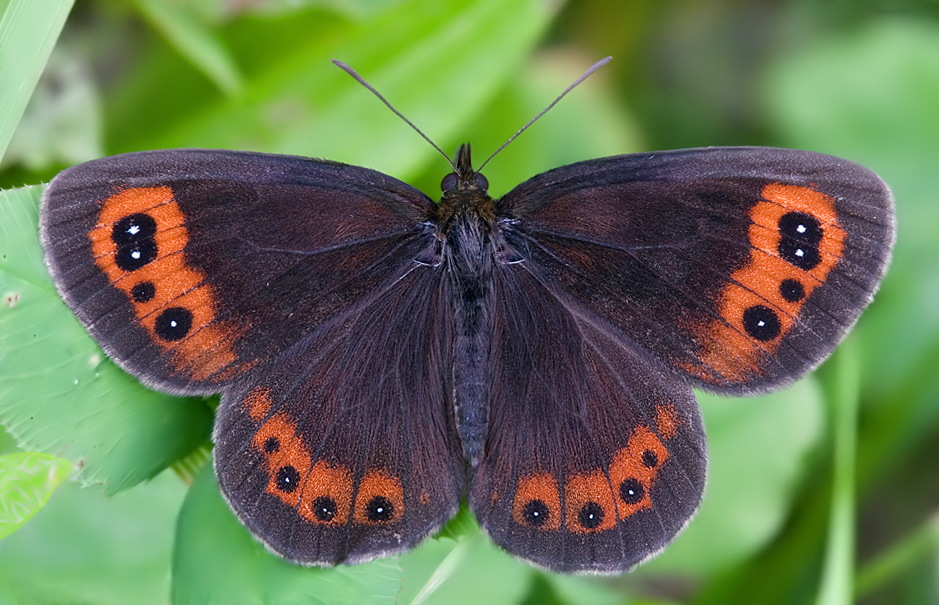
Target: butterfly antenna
(362, 81)
(576, 82)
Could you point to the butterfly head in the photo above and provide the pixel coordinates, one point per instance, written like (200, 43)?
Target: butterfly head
(463, 177)
(465, 199)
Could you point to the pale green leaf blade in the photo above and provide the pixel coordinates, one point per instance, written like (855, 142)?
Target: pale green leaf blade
(27, 479)
(197, 43)
(28, 31)
(748, 498)
(83, 547)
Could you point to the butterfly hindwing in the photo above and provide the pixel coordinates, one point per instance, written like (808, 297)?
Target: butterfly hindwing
(596, 455)
(346, 450)
(740, 267)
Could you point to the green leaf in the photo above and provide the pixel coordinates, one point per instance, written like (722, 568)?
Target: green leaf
(62, 123)
(86, 548)
(578, 590)
(28, 31)
(758, 451)
(843, 395)
(297, 102)
(588, 123)
(874, 97)
(27, 479)
(474, 570)
(217, 561)
(915, 549)
(58, 392)
(181, 26)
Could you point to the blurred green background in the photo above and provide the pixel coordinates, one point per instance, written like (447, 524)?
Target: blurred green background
(826, 492)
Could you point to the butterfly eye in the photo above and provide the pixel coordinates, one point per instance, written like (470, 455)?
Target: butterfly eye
(449, 182)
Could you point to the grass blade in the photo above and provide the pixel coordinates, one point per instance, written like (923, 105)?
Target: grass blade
(28, 31)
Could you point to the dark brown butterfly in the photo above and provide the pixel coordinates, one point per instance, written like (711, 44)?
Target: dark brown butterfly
(381, 356)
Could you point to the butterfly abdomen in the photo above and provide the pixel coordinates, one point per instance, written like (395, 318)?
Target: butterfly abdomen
(470, 261)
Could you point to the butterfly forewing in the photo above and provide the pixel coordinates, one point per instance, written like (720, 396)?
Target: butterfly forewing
(192, 267)
(742, 268)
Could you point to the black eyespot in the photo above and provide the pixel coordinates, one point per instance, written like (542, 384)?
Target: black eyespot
(324, 508)
(482, 182)
(761, 323)
(143, 292)
(535, 513)
(791, 290)
(132, 256)
(590, 515)
(288, 479)
(449, 182)
(133, 236)
(134, 228)
(631, 491)
(649, 459)
(379, 508)
(799, 237)
(271, 445)
(174, 323)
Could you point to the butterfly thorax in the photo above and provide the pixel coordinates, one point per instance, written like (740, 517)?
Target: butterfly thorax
(466, 224)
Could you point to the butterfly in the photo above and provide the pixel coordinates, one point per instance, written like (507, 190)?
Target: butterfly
(382, 356)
